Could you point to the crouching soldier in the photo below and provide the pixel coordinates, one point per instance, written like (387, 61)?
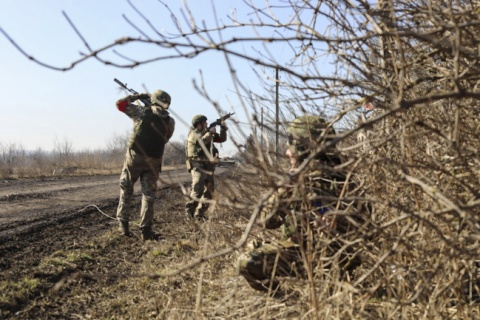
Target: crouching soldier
(311, 211)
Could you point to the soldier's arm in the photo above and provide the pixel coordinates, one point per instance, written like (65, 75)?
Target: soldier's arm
(170, 128)
(222, 137)
(131, 109)
(207, 137)
(274, 212)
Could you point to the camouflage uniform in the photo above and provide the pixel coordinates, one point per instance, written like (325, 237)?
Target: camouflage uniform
(153, 127)
(306, 211)
(202, 168)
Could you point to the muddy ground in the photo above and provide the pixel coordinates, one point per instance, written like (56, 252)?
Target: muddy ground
(61, 256)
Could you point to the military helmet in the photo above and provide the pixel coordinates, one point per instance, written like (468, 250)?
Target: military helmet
(199, 118)
(306, 132)
(161, 98)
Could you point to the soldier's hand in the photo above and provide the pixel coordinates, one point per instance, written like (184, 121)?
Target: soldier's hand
(223, 126)
(140, 96)
(213, 130)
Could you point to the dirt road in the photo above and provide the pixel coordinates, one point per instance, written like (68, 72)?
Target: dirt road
(26, 206)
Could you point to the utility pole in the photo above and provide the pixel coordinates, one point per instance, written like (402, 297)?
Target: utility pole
(277, 117)
(387, 45)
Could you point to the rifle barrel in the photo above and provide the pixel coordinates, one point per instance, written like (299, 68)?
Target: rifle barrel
(119, 82)
(124, 86)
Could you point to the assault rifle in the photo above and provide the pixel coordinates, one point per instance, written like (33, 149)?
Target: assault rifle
(132, 91)
(219, 121)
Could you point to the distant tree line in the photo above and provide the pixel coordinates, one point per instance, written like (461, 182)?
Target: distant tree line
(16, 161)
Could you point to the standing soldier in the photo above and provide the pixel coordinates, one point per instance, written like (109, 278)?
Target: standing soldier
(202, 156)
(153, 127)
(309, 209)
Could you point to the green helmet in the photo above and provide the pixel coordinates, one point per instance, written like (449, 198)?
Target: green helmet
(199, 118)
(305, 132)
(161, 98)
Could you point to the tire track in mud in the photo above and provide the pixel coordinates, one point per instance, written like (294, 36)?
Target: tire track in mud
(33, 219)
(56, 218)
(38, 216)
(36, 202)
(61, 217)
(39, 195)
(28, 208)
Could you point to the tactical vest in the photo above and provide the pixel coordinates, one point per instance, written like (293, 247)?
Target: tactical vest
(193, 149)
(311, 197)
(150, 134)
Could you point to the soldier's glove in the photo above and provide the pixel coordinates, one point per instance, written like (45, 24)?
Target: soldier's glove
(140, 96)
(223, 126)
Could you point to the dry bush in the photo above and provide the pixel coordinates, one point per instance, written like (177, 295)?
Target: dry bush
(174, 154)
(421, 173)
(11, 156)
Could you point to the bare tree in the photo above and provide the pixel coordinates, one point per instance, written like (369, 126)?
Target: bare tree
(12, 156)
(174, 154)
(117, 145)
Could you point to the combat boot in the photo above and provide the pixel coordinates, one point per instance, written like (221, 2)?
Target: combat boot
(201, 217)
(148, 234)
(123, 228)
(189, 214)
(200, 213)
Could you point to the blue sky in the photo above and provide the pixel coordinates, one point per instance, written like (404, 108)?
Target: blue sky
(40, 105)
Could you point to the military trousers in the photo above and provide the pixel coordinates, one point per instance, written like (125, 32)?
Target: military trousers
(203, 188)
(263, 262)
(147, 169)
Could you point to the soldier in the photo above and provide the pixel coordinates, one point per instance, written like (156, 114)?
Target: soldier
(308, 209)
(202, 156)
(153, 127)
